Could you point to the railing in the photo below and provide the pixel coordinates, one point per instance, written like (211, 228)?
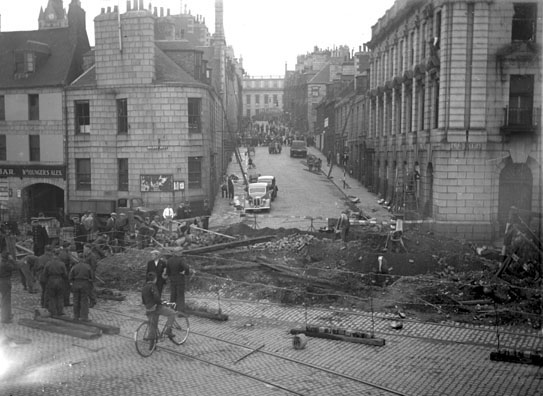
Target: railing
(521, 119)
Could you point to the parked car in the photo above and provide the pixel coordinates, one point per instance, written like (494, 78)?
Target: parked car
(298, 149)
(272, 186)
(257, 197)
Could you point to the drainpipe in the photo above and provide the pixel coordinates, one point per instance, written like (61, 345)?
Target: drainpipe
(66, 178)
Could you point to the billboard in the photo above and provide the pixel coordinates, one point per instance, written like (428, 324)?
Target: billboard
(156, 183)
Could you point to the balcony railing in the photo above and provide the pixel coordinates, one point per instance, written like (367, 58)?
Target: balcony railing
(521, 119)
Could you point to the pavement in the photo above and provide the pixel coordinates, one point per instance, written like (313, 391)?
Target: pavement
(252, 353)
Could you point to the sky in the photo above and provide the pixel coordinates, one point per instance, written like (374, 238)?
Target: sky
(267, 34)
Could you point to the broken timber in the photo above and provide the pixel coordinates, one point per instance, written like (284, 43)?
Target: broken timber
(208, 315)
(60, 329)
(340, 335)
(514, 356)
(227, 245)
(43, 315)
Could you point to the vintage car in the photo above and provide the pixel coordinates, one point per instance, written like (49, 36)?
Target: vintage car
(257, 197)
(298, 148)
(272, 186)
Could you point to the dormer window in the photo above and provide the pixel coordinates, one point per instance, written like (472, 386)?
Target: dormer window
(524, 22)
(25, 62)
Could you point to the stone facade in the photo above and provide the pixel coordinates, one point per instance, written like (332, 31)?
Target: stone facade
(445, 104)
(262, 95)
(162, 137)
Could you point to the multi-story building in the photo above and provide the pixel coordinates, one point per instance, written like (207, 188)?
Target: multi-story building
(306, 86)
(152, 116)
(262, 96)
(455, 105)
(35, 66)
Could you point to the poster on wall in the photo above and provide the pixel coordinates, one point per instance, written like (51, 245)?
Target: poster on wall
(156, 183)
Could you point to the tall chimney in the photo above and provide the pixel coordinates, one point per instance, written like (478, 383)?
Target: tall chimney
(219, 26)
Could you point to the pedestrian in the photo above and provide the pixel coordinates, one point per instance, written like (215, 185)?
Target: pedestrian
(230, 188)
(111, 226)
(168, 217)
(81, 277)
(39, 238)
(7, 267)
(65, 256)
(55, 276)
(80, 234)
(28, 265)
(177, 272)
(224, 189)
(40, 267)
(87, 220)
(90, 258)
(157, 265)
(329, 157)
(205, 215)
(343, 226)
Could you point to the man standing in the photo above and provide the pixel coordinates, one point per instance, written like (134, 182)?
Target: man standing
(343, 226)
(81, 278)
(168, 217)
(40, 267)
(28, 266)
(65, 256)
(230, 188)
(7, 267)
(111, 225)
(55, 277)
(90, 258)
(80, 235)
(158, 266)
(177, 271)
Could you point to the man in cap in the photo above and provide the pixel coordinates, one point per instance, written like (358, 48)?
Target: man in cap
(158, 266)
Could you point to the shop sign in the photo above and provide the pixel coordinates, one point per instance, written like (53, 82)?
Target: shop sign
(40, 171)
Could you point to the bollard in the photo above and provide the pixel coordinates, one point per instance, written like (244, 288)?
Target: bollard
(299, 341)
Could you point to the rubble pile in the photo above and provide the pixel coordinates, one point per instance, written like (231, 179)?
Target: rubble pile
(290, 243)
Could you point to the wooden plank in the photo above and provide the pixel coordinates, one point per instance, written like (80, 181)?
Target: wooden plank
(72, 324)
(363, 339)
(104, 328)
(35, 324)
(212, 232)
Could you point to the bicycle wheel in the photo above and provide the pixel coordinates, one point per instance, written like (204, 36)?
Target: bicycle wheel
(180, 330)
(145, 345)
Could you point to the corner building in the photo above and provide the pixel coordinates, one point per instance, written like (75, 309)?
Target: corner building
(455, 104)
(147, 118)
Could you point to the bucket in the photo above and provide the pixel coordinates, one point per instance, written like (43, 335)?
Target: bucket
(299, 341)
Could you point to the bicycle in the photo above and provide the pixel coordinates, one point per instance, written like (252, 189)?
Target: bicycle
(145, 345)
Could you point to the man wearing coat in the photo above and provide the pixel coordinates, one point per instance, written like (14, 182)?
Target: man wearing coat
(55, 276)
(158, 266)
(177, 271)
(7, 267)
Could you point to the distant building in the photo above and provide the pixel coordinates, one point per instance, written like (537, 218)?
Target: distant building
(35, 66)
(306, 86)
(262, 97)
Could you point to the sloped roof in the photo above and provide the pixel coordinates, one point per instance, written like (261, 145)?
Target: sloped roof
(166, 71)
(54, 45)
(169, 71)
(322, 77)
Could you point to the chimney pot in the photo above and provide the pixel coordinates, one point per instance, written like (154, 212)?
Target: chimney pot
(135, 7)
(155, 12)
(109, 10)
(128, 5)
(103, 10)
(141, 5)
(161, 11)
(116, 9)
(168, 12)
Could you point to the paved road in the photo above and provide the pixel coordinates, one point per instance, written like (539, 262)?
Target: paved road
(420, 359)
(303, 195)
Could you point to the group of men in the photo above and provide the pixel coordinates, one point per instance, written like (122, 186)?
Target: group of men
(57, 272)
(158, 272)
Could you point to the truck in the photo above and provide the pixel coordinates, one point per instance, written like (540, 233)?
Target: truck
(133, 207)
